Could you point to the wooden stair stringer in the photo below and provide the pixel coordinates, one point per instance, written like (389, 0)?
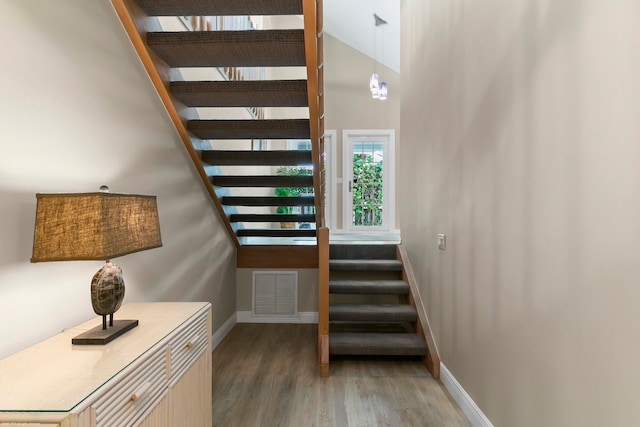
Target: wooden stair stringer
(423, 328)
(313, 42)
(136, 24)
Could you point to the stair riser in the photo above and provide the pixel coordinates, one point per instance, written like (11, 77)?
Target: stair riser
(368, 287)
(374, 351)
(371, 318)
(383, 344)
(362, 251)
(364, 267)
(365, 275)
(367, 299)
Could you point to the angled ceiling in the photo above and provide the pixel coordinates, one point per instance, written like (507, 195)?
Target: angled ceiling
(352, 22)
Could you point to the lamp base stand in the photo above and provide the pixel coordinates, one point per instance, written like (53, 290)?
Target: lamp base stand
(99, 336)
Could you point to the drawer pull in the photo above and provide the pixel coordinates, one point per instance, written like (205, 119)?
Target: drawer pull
(140, 391)
(189, 343)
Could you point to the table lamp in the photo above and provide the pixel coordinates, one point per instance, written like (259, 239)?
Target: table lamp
(97, 226)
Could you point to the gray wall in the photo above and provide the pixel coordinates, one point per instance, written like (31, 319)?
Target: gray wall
(79, 111)
(520, 142)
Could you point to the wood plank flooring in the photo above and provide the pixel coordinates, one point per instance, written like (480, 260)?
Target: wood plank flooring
(266, 375)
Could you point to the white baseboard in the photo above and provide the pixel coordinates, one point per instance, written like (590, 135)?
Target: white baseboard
(463, 400)
(222, 332)
(303, 317)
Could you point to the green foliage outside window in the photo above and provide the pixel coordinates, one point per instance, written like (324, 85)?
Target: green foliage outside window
(293, 191)
(367, 191)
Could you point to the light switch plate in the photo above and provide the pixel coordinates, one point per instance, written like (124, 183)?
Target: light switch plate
(442, 242)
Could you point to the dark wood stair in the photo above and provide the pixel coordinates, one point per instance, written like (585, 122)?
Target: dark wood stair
(266, 201)
(376, 344)
(276, 232)
(220, 7)
(360, 322)
(271, 218)
(245, 158)
(371, 287)
(248, 93)
(264, 48)
(382, 313)
(262, 181)
(250, 129)
(245, 215)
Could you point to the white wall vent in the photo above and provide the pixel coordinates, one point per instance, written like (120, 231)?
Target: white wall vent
(275, 294)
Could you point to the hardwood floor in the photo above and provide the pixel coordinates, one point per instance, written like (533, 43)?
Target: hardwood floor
(266, 375)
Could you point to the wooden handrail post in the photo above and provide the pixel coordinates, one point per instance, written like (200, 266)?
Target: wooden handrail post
(323, 301)
(312, 37)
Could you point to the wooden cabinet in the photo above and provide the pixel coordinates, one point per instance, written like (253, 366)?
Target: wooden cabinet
(158, 374)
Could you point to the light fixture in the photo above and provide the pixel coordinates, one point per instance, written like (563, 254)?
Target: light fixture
(97, 226)
(378, 89)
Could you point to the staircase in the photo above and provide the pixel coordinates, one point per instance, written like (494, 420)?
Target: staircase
(370, 309)
(238, 159)
(246, 201)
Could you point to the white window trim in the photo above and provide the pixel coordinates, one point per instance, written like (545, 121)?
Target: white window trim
(330, 156)
(389, 181)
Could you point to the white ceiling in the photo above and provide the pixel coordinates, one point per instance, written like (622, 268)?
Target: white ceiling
(352, 22)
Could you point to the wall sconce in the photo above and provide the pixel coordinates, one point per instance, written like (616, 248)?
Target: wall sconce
(97, 226)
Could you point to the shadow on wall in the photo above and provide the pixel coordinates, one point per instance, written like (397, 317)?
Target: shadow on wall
(480, 185)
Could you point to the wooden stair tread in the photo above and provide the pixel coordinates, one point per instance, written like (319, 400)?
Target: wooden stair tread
(300, 181)
(276, 232)
(271, 218)
(389, 287)
(219, 7)
(365, 265)
(372, 313)
(257, 158)
(254, 48)
(246, 93)
(371, 343)
(250, 129)
(267, 201)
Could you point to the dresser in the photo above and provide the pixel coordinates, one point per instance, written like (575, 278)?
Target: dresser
(157, 374)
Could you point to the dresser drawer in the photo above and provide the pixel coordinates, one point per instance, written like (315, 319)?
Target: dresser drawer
(186, 344)
(136, 391)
